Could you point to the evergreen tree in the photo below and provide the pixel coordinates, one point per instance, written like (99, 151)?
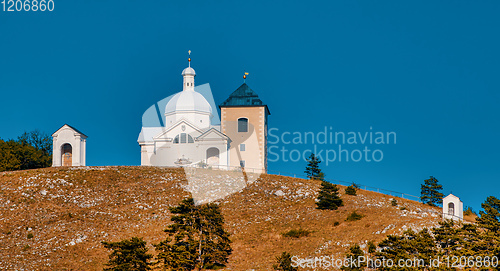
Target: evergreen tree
(371, 247)
(354, 259)
(284, 263)
(472, 241)
(410, 245)
(312, 169)
(328, 197)
(128, 255)
(196, 239)
(490, 218)
(449, 240)
(429, 192)
(447, 237)
(351, 190)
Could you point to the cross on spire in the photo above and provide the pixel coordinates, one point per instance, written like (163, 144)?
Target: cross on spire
(245, 76)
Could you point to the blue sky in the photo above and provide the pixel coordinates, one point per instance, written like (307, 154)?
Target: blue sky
(426, 70)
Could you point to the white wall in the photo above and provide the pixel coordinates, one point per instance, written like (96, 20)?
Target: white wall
(458, 208)
(66, 135)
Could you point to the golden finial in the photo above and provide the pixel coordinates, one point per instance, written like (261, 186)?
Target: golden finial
(189, 58)
(245, 76)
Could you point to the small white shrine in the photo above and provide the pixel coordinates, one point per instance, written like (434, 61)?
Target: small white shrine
(453, 208)
(69, 147)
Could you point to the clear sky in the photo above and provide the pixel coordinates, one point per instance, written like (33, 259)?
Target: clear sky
(426, 70)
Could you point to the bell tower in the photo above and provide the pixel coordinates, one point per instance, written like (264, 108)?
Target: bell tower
(244, 120)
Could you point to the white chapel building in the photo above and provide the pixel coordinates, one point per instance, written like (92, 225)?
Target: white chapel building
(68, 147)
(184, 129)
(453, 208)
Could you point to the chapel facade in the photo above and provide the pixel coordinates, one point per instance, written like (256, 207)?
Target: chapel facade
(68, 147)
(185, 130)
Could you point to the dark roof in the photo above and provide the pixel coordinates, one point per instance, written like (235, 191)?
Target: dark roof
(243, 96)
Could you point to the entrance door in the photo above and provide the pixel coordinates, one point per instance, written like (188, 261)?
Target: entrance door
(451, 208)
(213, 156)
(67, 155)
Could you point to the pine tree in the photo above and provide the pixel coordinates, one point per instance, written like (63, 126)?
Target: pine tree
(312, 169)
(447, 237)
(450, 239)
(371, 247)
(490, 218)
(128, 255)
(284, 263)
(351, 190)
(410, 245)
(196, 239)
(328, 197)
(354, 259)
(430, 192)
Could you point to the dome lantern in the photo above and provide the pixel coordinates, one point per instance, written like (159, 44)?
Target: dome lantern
(188, 74)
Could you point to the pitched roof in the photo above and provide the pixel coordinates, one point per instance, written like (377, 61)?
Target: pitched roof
(71, 127)
(243, 96)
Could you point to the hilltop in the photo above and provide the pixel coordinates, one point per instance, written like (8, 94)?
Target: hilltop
(56, 218)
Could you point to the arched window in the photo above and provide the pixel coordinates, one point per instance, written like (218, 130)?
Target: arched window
(243, 125)
(451, 208)
(183, 138)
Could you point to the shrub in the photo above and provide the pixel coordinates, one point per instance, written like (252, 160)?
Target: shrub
(129, 254)
(351, 190)
(468, 211)
(352, 259)
(371, 247)
(284, 263)
(30, 235)
(402, 208)
(26, 247)
(394, 202)
(296, 233)
(354, 216)
(336, 223)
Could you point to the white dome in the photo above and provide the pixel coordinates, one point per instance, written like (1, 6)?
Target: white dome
(188, 101)
(188, 71)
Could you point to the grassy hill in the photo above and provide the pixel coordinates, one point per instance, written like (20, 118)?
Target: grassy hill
(56, 218)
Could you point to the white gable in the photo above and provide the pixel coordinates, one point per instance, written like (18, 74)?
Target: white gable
(68, 128)
(451, 197)
(182, 126)
(212, 134)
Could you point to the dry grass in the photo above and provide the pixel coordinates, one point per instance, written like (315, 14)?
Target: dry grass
(69, 211)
